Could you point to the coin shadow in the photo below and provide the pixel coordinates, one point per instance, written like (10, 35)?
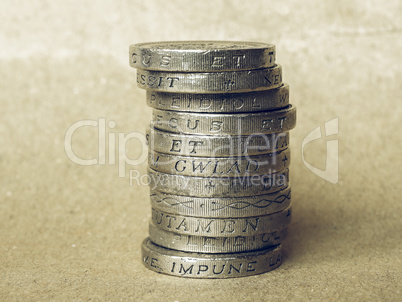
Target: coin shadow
(313, 231)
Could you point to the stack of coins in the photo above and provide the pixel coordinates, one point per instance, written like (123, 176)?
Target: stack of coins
(218, 157)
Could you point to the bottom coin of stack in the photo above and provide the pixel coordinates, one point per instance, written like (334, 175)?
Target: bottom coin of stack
(202, 265)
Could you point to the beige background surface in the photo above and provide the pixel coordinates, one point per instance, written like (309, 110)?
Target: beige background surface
(72, 232)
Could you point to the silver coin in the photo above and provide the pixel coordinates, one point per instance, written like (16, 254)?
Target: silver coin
(201, 265)
(216, 145)
(218, 186)
(220, 166)
(212, 227)
(220, 103)
(202, 244)
(211, 82)
(221, 207)
(201, 55)
(256, 123)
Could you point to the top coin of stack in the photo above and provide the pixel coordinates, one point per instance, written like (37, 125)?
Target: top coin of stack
(218, 158)
(201, 56)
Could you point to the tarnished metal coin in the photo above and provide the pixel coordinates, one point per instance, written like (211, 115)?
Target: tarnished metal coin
(243, 185)
(229, 227)
(210, 82)
(238, 166)
(216, 145)
(199, 265)
(221, 207)
(254, 101)
(201, 55)
(255, 123)
(219, 244)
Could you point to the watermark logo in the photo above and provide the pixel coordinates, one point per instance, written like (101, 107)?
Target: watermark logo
(122, 140)
(109, 142)
(330, 173)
